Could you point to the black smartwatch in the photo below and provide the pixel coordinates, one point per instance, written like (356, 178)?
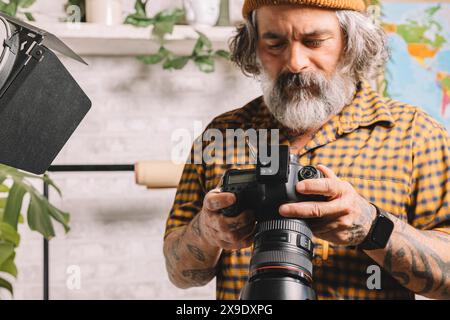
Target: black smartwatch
(379, 233)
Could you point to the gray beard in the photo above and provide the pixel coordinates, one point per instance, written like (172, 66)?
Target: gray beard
(312, 104)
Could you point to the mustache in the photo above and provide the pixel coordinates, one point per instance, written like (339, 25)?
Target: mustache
(307, 83)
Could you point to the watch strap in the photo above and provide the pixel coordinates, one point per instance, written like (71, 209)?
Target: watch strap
(380, 231)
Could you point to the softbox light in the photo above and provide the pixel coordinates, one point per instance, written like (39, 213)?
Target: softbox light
(41, 104)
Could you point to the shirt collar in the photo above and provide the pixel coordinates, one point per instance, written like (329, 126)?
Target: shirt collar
(367, 108)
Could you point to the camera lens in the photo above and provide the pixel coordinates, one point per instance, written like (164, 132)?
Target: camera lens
(309, 172)
(281, 265)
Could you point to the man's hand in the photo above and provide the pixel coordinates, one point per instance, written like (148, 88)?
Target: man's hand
(225, 232)
(193, 251)
(344, 219)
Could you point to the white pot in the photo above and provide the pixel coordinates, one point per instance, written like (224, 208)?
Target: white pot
(202, 12)
(107, 12)
(155, 6)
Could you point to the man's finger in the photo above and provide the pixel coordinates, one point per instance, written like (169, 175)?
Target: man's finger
(326, 187)
(216, 201)
(327, 172)
(313, 209)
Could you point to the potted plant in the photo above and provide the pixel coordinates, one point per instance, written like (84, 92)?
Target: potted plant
(14, 185)
(163, 23)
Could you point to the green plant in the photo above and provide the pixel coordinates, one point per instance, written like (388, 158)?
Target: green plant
(163, 24)
(40, 214)
(12, 7)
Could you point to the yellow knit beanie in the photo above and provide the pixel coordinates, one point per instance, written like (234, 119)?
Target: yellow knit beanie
(357, 5)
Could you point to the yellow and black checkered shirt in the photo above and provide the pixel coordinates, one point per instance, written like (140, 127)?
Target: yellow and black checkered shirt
(394, 154)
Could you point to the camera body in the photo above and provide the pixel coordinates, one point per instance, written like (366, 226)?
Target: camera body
(281, 264)
(264, 191)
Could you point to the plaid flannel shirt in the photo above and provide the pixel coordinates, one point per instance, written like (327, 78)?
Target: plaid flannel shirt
(395, 155)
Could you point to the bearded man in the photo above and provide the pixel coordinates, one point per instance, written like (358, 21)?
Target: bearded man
(383, 162)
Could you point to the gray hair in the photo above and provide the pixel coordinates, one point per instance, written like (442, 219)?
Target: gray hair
(365, 50)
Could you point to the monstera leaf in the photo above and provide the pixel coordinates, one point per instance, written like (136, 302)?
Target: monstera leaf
(40, 216)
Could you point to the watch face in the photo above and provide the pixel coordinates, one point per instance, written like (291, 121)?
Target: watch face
(382, 230)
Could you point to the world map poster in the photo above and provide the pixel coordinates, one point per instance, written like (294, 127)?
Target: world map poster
(419, 70)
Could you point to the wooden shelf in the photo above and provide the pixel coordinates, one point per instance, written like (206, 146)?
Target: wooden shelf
(125, 40)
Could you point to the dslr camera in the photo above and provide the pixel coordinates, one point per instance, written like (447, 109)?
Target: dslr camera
(281, 264)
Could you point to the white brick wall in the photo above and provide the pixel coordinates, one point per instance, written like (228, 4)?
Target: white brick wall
(117, 227)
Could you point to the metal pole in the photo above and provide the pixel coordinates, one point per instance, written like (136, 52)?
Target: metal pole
(46, 256)
(91, 168)
(73, 168)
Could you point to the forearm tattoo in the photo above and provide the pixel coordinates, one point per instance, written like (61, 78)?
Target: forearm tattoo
(174, 251)
(180, 249)
(358, 231)
(427, 267)
(199, 275)
(196, 252)
(356, 234)
(196, 226)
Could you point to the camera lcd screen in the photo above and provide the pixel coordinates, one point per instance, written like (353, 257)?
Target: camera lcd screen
(242, 178)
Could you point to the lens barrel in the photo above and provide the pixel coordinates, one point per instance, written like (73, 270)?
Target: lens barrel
(281, 265)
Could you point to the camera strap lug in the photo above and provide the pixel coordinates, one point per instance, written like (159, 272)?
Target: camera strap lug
(37, 52)
(11, 43)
